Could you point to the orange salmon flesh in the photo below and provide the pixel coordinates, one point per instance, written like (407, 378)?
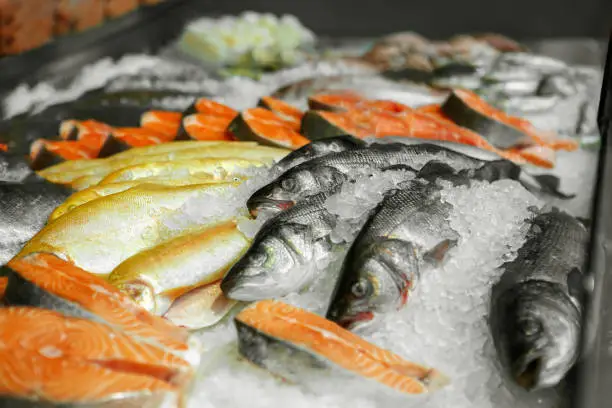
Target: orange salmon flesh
(327, 339)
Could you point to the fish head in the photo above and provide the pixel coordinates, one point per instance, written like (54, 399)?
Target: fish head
(375, 283)
(141, 292)
(536, 332)
(293, 185)
(273, 265)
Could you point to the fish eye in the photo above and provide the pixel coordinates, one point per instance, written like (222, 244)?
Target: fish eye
(530, 327)
(361, 288)
(288, 184)
(258, 258)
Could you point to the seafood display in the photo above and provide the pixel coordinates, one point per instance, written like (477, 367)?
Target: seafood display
(410, 234)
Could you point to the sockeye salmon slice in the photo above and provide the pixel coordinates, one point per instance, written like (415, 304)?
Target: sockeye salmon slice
(288, 113)
(66, 149)
(34, 376)
(268, 125)
(541, 156)
(139, 137)
(342, 100)
(94, 294)
(346, 122)
(208, 107)
(165, 122)
(53, 335)
(541, 138)
(383, 106)
(382, 123)
(75, 129)
(340, 346)
(201, 126)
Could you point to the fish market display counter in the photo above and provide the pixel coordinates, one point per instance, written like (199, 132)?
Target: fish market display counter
(395, 222)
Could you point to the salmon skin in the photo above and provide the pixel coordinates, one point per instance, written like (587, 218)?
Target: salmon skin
(25, 208)
(44, 353)
(504, 131)
(45, 153)
(299, 345)
(46, 281)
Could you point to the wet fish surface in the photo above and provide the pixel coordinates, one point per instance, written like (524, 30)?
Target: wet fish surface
(283, 253)
(317, 149)
(536, 307)
(407, 233)
(24, 210)
(328, 172)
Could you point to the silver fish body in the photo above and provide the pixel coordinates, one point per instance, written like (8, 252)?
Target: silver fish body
(545, 184)
(316, 149)
(536, 309)
(327, 173)
(406, 233)
(282, 257)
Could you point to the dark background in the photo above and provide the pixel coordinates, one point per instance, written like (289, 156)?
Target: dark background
(523, 19)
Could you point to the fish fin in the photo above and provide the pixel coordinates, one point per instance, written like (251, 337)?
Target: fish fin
(550, 184)
(496, 170)
(434, 168)
(399, 167)
(584, 221)
(575, 285)
(437, 254)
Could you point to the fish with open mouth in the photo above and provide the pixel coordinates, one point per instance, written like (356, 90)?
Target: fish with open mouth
(283, 254)
(536, 306)
(328, 172)
(406, 234)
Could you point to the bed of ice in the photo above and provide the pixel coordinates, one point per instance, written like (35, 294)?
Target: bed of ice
(443, 326)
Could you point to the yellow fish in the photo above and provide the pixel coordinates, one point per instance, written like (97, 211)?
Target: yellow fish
(215, 168)
(154, 278)
(99, 235)
(94, 192)
(65, 173)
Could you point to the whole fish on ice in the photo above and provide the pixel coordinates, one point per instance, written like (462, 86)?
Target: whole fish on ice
(407, 233)
(536, 307)
(328, 172)
(282, 258)
(156, 277)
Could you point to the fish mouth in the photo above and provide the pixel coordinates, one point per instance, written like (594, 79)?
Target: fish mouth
(356, 320)
(243, 289)
(258, 205)
(527, 375)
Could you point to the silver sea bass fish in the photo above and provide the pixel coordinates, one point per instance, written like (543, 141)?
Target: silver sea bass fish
(536, 307)
(407, 233)
(282, 256)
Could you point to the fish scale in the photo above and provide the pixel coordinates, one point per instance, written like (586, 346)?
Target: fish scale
(555, 244)
(407, 231)
(536, 310)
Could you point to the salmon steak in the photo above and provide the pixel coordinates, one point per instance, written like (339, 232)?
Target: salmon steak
(265, 127)
(288, 113)
(270, 331)
(166, 122)
(47, 281)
